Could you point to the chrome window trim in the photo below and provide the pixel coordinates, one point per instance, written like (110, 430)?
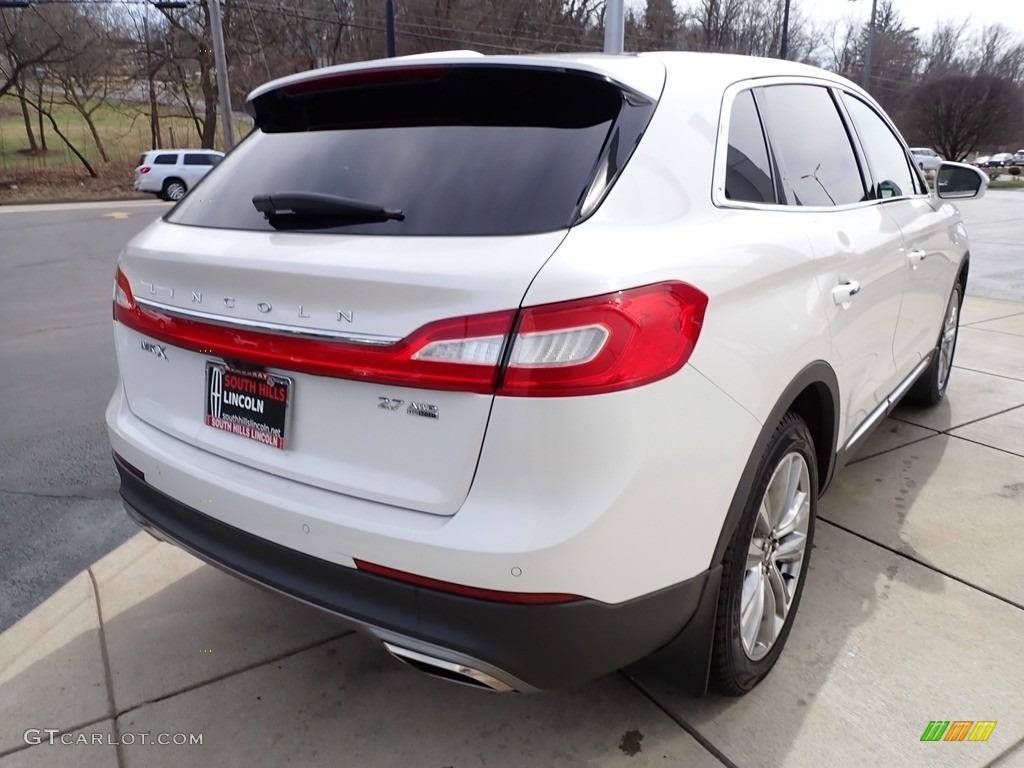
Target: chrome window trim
(279, 329)
(718, 198)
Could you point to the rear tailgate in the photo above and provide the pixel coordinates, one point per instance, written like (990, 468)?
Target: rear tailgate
(341, 435)
(369, 202)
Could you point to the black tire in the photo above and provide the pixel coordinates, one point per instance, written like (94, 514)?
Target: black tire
(756, 564)
(930, 388)
(174, 190)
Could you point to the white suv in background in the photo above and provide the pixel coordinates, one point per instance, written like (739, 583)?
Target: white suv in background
(926, 159)
(531, 367)
(171, 173)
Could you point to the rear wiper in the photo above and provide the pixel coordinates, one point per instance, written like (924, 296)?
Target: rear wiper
(293, 207)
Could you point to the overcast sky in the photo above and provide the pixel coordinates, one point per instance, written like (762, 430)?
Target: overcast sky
(925, 13)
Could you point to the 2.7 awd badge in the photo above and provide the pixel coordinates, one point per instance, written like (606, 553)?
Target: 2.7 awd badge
(427, 410)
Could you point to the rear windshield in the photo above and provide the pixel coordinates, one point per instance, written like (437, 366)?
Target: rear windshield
(458, 150)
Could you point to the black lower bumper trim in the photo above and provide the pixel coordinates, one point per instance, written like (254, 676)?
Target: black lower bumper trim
(546, 646)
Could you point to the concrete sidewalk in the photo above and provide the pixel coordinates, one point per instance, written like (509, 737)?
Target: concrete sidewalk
(913, 612)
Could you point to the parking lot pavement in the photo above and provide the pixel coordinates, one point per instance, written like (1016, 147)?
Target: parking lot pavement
(993, 224)
(913, 612)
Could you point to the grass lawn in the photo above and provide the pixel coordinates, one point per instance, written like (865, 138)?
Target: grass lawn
(1009, 182)
(125, 135)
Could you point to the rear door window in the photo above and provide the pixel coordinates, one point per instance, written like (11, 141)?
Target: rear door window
(812, 147)
(461, 150)
(196, 159)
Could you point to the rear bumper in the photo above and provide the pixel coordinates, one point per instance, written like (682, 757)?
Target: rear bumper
(524, 647)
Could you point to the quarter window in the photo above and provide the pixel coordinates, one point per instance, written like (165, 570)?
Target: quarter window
(889, 164)
(748, 174)
(165, 160)
(812, 146)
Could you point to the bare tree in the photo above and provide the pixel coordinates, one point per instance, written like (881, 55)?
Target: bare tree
(143, 38)
(45, 110)
(30, 43)
(20, 90)
(997, 51)
(960, 114)
(85, 79)
(944, 52)
(191, 49)
(28, 40)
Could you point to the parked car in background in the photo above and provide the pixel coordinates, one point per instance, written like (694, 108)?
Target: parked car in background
(998, 160)
(981, 161)
(171, 173)
(466, 354)
(1018, 157)
(926, 159)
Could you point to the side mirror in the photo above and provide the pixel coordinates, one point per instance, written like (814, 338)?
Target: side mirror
(959, 181)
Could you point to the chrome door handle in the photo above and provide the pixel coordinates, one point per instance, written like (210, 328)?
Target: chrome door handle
(845, 291)
(916, 256)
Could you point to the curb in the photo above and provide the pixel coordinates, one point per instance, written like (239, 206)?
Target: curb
(55, 200)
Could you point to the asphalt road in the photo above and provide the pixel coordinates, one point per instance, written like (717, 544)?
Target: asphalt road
(995, 225)
(59, 509)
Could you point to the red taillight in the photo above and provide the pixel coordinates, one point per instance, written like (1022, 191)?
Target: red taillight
(589, 346)
(494, 595)
(122, 293)
(144, 169)
(605, 343)
(402, 363)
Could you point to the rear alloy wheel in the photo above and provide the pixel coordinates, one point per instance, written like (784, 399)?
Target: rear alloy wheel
(931, 387)
(174, 190)
(766, 562)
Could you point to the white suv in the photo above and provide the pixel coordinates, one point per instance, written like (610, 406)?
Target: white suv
(926, 159)
(531, 367)
(171, 173)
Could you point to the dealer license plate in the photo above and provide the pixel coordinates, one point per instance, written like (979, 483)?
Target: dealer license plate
(252, 404)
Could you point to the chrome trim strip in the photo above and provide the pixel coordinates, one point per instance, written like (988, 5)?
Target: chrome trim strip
(908, 382)
(873, 418)
(277, 328)
(886, 406)
(475, 676)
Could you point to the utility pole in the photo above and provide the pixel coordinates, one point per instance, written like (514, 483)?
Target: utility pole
(221, 62)
(784, 49)
(865, 75)
(614, 26)
(389, 15)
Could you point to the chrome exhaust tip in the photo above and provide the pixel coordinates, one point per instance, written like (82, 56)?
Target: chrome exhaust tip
(448, 670)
